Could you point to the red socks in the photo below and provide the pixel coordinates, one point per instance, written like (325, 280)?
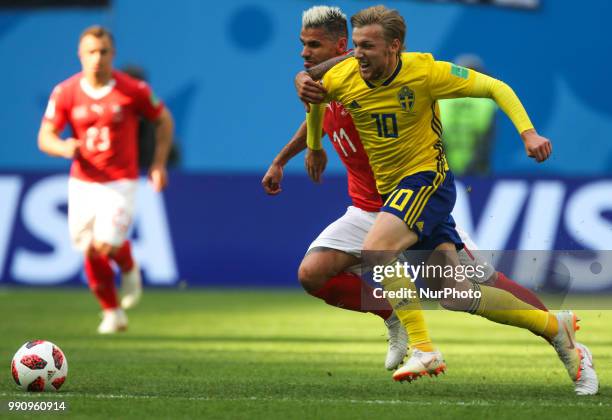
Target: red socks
(518, 291)
(345, 291)
(123, 257)
(101, 279)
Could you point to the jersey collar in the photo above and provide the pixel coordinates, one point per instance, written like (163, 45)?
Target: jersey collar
(390, 78)
(98, 93)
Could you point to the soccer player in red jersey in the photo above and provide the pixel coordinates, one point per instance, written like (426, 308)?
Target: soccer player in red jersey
(330, 268)
(102, 107)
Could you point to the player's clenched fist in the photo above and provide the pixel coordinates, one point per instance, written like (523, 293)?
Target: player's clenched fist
(272, 179)
(536, 146)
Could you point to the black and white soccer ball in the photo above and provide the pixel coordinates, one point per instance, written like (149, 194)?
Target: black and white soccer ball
(38, 366)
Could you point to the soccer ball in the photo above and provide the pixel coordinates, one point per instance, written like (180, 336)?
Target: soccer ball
(38, 366)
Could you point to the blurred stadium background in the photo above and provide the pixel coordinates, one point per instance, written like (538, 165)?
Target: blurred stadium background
(226, 70)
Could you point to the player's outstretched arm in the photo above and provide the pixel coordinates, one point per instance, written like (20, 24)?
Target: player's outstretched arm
(50, 142)
(164, 133)
(271, 181)
(536, 146)
(451, 81)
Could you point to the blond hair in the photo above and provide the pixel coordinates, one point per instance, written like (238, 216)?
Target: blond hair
(331, 19)
(392, 23)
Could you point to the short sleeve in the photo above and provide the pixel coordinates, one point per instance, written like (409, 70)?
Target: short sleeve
(146, 102)
(448, 80)
(328, 84)
(57, 111)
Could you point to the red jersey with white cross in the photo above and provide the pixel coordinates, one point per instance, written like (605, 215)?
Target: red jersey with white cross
(106, 121)
(339, 127)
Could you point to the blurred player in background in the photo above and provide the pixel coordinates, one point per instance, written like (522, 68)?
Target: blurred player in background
(392, 98)
(102, 107)
(330, 268)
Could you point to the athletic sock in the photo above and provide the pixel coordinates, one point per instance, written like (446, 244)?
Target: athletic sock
(123, 257)
(408, 310)
(503, 307)
(101, 280)
(522, 293)
(345, 291)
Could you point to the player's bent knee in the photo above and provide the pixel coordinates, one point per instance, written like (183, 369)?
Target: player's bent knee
(310, 277)
(491, 280)
(102, 248)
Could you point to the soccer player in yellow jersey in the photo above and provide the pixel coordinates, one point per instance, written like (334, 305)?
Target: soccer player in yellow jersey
(392, 97)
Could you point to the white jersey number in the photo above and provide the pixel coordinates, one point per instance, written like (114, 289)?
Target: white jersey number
(97, 139)
(338, 137)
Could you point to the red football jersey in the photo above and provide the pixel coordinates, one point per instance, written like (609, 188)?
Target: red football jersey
(339, 127)
(106, 120)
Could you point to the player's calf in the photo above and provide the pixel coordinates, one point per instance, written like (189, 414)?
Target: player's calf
(458, 296)
(446, 280)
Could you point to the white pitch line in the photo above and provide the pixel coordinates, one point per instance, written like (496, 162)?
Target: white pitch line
(472, 403)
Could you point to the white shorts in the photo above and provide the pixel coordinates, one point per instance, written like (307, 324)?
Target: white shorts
(348, 233)
(100, 211)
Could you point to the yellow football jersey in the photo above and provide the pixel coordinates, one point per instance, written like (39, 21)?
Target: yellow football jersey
(398, 119)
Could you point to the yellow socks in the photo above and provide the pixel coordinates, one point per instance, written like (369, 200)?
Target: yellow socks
(504, 308)
(408, 310)
(552, 328)
(494, 304)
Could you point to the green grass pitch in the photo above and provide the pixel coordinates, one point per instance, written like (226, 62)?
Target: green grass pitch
(283, 354)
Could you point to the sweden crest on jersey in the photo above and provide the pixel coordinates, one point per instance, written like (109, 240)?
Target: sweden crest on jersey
(405, 97)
